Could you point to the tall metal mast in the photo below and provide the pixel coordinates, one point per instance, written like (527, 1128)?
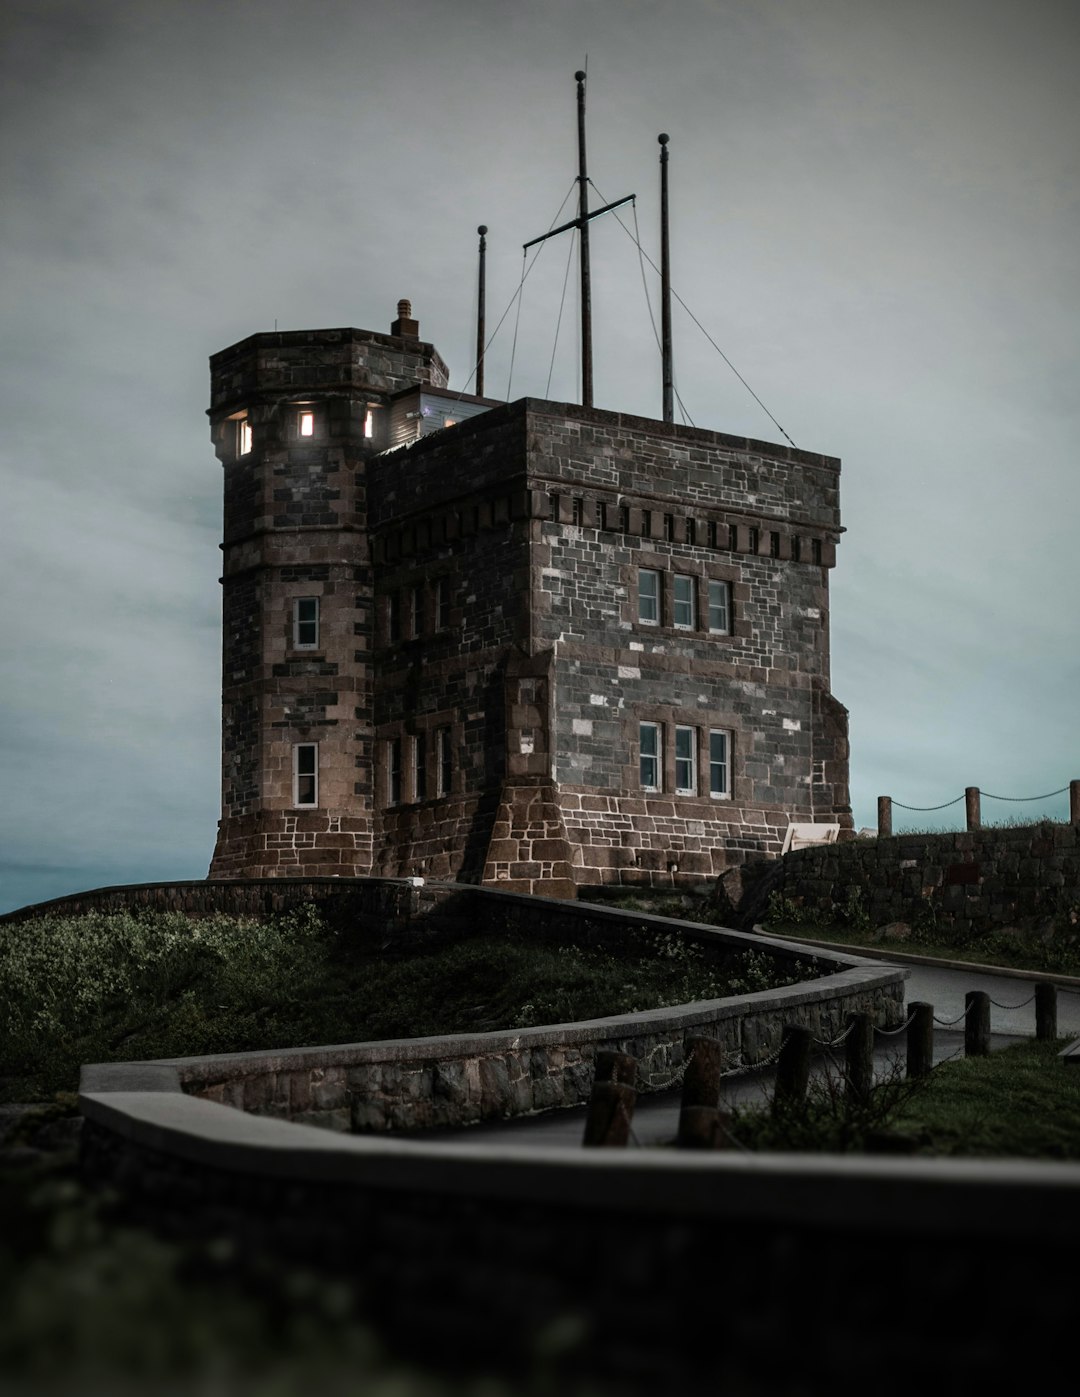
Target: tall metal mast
(665, 286)
(582, 222)
(482, 230)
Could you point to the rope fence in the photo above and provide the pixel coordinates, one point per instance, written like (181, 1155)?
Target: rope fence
(973, 798)
(706, 1123)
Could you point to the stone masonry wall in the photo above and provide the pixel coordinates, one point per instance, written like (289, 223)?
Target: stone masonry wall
(764, 521)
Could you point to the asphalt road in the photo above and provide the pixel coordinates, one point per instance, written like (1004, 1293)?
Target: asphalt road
(1012, 1016)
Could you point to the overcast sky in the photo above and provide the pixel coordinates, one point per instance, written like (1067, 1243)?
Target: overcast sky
(874, 215)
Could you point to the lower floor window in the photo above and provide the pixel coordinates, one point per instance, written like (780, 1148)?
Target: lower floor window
(444, 757)
(719, 764)
(306, 773)
(419, 752)
(649, 745)
(393, 771)
(686, 761)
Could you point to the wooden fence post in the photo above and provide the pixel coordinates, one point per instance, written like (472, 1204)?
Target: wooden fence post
(699, 1110)
(859, 1058)
(976, 1023)
(972, 806)
(611, 1102)
(792, 1066)
(884, 816)
(1045, 1011)
(920, 1039)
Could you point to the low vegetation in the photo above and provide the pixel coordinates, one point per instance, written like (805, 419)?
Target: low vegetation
(1053, 949)
(115, 987)
(1017, 1102)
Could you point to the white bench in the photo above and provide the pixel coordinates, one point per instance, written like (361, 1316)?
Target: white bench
(803, 836)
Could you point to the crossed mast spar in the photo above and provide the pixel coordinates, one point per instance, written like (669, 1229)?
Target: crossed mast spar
(581, 223)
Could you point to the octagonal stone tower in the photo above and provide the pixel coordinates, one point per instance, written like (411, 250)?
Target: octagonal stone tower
(295, 418)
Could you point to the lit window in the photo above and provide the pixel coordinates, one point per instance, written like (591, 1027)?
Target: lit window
(306, 773)
(243, 436)
(684, 602)
(393, 771)
(305, 623)
(720, 607)
(648, 596)
(719, 765)
(419, 767)
(442, 603)
(649, 748)
(686, 761)
(444, 755)
(307, 424)
(449, 421)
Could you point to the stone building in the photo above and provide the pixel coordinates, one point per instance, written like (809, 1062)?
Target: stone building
(531, 644)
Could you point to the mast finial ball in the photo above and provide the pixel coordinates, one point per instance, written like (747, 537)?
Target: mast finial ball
(579, 75)
(663, 138)
(482, 229)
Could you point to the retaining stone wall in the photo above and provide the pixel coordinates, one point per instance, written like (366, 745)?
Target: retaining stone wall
(666, 1272)
(460, 1079)
(965, 882)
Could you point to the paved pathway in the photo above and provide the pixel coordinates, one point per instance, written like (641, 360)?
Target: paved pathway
(1012, 1016)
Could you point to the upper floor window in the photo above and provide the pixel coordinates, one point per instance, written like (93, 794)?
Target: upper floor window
(649, 596)
(369, 424)
(686, 761)
(243, 436)
(306, 773)
(720, 607)
(755, 538)
(719, 764)
(684, 601)
(305, 623)
(305, 425)
(649, 755)
(419, 767)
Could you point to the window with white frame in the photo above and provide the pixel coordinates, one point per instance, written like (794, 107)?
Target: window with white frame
(683, 601)
(306, 773)
(305, 623)
(305, 423)
(686, 761)
(719, 764)
(444, 757)
(419, 767)
(649, 751)
(393, 771)
(243, 436)
(649, 596)
(720, 607)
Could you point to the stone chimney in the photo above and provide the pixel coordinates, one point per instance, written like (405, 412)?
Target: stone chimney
(405, 324)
